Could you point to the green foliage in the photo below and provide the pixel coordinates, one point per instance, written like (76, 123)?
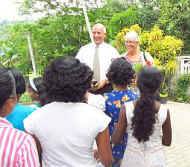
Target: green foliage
(58, 36)
(175, 19)
(150, 3)
(25, 99)
(117, 5)
(164, 49)
(181, 91)
(137, 67)
(51, 37)
(123, 19)
(148, 17)
(14, 45)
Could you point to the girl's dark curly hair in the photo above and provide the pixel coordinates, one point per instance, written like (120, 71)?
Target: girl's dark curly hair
(148, 82)
(6, 86)
(120, 72)
(67, 80)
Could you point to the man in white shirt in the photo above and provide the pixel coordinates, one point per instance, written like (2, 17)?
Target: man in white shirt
(98, 57)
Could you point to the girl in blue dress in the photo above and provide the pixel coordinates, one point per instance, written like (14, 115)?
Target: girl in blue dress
(120, 75)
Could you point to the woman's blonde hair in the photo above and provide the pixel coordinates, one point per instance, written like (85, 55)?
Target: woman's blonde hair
(131, 36)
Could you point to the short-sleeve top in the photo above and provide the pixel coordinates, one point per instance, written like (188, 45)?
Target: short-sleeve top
(67, 132)
(155, 141)
(18, 114)
(96, 100)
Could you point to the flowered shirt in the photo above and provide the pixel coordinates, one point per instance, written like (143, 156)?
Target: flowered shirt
(114, 101)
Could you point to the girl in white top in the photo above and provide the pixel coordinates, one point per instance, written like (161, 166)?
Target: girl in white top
(147, 123)
(67, 127)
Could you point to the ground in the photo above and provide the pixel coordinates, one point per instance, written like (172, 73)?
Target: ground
(178, 154)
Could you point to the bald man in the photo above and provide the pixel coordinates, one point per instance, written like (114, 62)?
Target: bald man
(98, 56)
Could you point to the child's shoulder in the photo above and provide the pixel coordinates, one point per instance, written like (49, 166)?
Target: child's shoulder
(113, 95)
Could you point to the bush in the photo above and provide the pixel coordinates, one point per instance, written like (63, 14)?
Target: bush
(122, 19)
(181, 90)
(175, 19)
(25, 99)
(165, 50)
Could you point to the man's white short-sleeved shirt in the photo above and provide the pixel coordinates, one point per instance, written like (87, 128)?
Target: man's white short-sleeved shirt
(67, 132)
(106, 54)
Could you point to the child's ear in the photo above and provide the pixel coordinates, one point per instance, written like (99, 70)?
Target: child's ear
(8, 106)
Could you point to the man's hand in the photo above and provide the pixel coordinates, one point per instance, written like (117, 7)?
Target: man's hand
(99, 85)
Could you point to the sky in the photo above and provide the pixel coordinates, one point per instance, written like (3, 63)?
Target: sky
(8, 10)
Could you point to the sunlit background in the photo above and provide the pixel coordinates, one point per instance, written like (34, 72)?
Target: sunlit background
(9, 10)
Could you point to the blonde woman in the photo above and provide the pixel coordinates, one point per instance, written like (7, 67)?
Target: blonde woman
(134, 55)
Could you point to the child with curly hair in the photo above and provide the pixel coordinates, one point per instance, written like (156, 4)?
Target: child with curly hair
(120, 75)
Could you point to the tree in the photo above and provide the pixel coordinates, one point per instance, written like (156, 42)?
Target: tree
(57, 6)
(175, 19)
(51, 37)
(14, 45)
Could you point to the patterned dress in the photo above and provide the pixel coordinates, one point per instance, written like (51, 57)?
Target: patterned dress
(114, 101)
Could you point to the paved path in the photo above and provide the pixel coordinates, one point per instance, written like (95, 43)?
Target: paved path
(178, 155)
